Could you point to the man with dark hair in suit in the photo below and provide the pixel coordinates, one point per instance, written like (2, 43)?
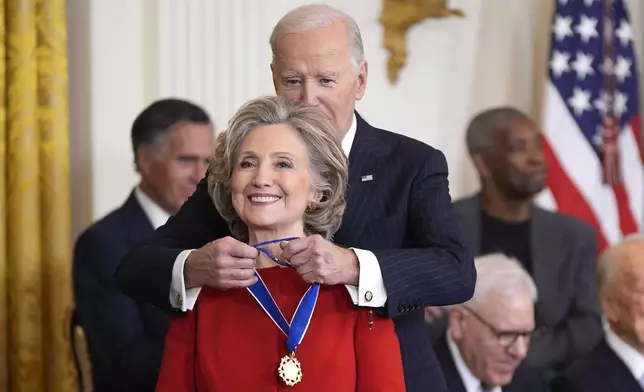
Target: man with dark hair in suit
(398, 248)
(488, 336)
(558, 251)
(617, 362)
(172, 141)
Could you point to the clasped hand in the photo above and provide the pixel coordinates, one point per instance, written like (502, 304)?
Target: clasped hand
(228, 263)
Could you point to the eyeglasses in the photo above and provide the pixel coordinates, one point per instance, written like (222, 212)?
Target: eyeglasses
(505, 338)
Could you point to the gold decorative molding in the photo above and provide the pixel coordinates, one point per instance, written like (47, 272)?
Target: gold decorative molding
(397, 17)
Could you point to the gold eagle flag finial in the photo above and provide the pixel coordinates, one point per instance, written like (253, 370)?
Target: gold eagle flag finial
(397, 17)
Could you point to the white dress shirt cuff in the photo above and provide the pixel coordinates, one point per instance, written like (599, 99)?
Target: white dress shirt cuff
(371, 288)
(180, 298)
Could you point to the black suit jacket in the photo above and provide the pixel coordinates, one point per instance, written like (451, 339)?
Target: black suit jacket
(601, 371)
(526, 379)
(125, 338)
(564, 254)
(403, 215)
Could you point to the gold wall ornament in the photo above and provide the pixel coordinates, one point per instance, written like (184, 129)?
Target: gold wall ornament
(397, 17)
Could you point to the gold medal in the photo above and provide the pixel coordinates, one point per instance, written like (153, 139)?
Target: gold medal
(290, 370)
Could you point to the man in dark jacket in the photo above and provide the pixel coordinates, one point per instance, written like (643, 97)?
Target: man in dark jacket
(172, 140)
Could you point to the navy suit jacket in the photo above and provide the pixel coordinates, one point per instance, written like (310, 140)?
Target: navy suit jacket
(526, 379)
(125, 338)
(403, 215)
(601, 371)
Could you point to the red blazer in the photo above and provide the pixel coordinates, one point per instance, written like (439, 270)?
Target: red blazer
(227, 343)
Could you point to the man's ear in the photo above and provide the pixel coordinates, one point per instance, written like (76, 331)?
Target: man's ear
(274, 78)
(481, 166)
(608, 306)
(363, 72)
(456, 322)
(145, 159)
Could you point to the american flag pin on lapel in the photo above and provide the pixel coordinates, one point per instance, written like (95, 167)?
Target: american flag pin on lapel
(368, 177)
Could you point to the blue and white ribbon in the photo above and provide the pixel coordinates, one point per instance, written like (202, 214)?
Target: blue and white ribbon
(296, 329)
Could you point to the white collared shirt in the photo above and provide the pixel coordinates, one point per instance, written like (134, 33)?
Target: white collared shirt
(470, 381)
(633, 359)
(156, 215)
(370, 292)
(347, 141)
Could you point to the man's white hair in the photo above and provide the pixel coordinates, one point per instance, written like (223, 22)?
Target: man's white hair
(606, 265)
(315, 16)
(502, 275)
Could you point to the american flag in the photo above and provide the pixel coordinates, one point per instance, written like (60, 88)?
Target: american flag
(591, 119)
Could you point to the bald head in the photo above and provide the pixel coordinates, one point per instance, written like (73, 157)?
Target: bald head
(483, 127)
(620, 275)
(621, 261)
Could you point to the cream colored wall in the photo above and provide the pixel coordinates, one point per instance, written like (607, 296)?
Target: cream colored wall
(111, 70)
(125, 53)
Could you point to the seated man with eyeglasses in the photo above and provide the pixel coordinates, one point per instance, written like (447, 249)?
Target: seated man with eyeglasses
(488, 337)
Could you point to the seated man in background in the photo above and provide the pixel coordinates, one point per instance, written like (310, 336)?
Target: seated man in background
(172, 142)
(488, 337)
(558, 251)
(617, 362)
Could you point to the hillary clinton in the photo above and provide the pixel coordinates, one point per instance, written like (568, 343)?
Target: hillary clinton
(279, 173)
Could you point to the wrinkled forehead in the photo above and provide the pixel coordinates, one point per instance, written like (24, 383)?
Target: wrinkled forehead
(324, 46)
(628, 265)
(509, 311)
(523, 128)
(516, 129)
(630, 285)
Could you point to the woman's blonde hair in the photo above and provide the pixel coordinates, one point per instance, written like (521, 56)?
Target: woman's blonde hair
(328, 163)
